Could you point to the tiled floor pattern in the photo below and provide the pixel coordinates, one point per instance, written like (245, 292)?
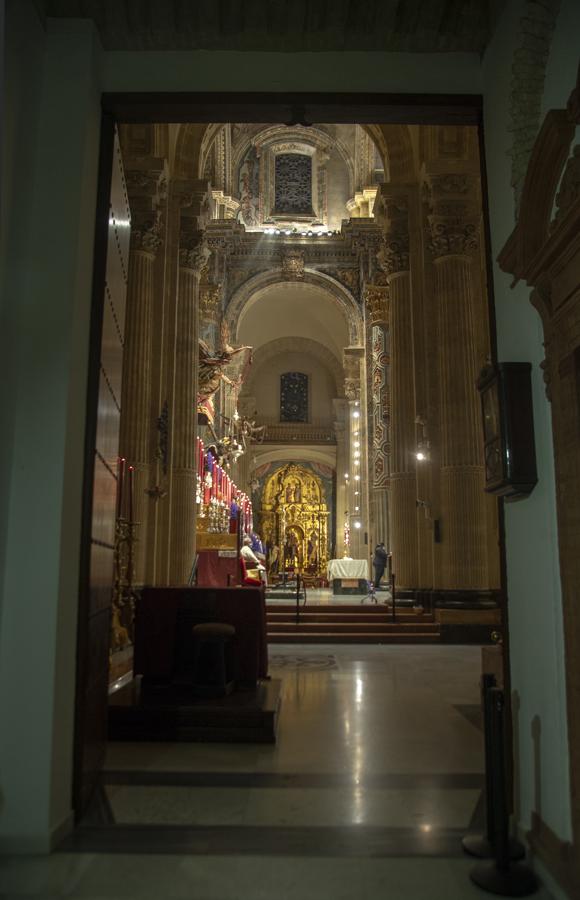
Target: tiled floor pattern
(376, 774)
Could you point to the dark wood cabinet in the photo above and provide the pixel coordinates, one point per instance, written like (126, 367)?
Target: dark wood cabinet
(508, 429)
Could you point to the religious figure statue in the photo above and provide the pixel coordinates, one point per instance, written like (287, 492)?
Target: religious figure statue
(274, 560)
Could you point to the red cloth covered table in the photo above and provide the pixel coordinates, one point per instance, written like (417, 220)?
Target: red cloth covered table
(164, 617)
(213, 570)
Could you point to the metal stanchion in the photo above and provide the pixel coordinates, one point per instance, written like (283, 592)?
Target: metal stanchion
(393, 596)
(298, 598)
(482, 845)
(501, 875)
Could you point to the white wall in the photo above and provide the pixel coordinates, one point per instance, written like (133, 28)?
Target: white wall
(51, 159)
(535, 616)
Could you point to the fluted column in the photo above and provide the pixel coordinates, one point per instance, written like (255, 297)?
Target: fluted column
(454, 232)
(394, 260)
(136, 424)
(193, 256)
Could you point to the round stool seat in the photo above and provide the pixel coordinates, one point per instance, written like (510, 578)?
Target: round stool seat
(213, 631)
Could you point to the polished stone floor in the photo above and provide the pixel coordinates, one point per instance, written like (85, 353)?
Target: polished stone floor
(376, 775)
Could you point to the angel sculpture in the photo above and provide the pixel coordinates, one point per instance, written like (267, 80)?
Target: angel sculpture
(212, 367)
(250, 433)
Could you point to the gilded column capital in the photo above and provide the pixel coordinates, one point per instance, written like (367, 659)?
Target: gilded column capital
(146, 230)
(376, 299)
(453, 221)
(452, 237)
(194, 252)
(352, 388)
(147, 191)
(393, 255)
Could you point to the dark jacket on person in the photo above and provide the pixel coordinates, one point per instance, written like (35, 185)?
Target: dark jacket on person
(380, 558)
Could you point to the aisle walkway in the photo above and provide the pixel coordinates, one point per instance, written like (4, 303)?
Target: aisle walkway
(376, 775)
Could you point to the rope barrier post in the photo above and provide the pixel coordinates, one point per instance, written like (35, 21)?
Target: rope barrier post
(298, 598)
(501, 876)
(393, 596)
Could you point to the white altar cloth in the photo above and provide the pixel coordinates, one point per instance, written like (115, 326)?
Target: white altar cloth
(348, 568)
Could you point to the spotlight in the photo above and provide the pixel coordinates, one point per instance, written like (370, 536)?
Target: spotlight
(346, 475)
(357, 443)
(277, 231)
(309, 233)
(420, 455)
(357, 477)
(357, 524)
(288, 232)
(355, 414)
(356, 509)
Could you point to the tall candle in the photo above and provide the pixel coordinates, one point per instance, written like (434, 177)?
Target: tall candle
(120, 479)
(131, 470)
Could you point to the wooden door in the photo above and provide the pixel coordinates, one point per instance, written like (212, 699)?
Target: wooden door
(101, 448)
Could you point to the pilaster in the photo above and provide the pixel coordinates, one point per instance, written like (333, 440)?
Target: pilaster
(454, 241)
(393, 259)
(146, 188)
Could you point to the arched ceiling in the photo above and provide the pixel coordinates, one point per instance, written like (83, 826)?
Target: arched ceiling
(276, 348)
(293, 310)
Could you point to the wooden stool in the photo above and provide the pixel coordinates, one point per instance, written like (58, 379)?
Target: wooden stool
(213, 662)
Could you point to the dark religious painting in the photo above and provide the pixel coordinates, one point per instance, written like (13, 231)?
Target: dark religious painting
(293, 397)
(293, 192)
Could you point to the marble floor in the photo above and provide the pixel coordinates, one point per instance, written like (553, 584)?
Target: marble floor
(376, 774)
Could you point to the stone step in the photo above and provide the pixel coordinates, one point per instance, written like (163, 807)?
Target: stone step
(276, 618)
(309, 637)
(354, 627)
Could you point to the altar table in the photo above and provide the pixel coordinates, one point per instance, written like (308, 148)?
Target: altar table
(348, 568)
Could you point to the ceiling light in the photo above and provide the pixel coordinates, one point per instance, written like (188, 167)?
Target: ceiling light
(420, 455)
(357, 524)
(355, 414)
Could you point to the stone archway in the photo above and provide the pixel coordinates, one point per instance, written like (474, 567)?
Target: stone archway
(341, 295)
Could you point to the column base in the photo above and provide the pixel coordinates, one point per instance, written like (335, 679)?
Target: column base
(467, 617)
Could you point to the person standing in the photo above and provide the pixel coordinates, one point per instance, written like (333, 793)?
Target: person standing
(379, 562)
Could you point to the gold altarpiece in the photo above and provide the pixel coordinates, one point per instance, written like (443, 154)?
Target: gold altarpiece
(294, 517)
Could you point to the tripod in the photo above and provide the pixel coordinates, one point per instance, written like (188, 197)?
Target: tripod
(371, 595)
